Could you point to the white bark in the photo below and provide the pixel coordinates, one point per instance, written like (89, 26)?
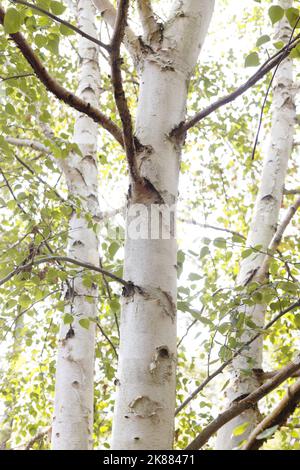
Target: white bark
(33, 144)
(108, 13)
(262, 230)
(145, 401)
(73, 414)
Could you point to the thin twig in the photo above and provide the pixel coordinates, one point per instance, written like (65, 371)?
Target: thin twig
(63, 22)
(268, 92)
(237, 353)
(108, 339)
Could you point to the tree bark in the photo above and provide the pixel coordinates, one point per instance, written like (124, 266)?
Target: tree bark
(145, 400)
(73, 414)
(262, 230)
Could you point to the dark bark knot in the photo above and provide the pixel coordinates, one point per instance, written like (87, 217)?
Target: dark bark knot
(161, 367)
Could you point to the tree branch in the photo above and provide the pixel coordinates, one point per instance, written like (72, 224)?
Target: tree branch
(291, 191)
(276, 240)
(66, 259)
(33, 144)
(237, 353)
(108, 339)
(278, 417)
(38, 437)
(213, 227)
(147, 16)
(261, 72)
(109, 14)
(65, 23)
(58, 90)
(239, 406)
(119, 94)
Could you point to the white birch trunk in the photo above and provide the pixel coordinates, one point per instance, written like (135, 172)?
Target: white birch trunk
(145, 401)
(73, 414)
(262, 230)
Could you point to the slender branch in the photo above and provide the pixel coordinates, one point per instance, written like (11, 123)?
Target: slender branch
(12, 192)
(276, 240)
(291, 191)
(108, 339)
(65, 259)
(213, 227)
(41, 180)
(37, 438)
(33, 144)
(257, 76)
(58, 90)
(278, 417)
(119, 94)
(262, 376)
(268, 92)
(237, 353)
(239, 406)
(65, 23)
(13, 77)
(147, 16)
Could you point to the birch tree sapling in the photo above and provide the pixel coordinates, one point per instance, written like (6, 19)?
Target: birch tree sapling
(74, 392)
(262, 230)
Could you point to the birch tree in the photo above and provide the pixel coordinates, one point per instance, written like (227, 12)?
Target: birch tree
(263, 227)
(73, 411)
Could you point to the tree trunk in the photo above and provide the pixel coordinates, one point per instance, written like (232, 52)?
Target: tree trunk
(262, 230)
(145, 401)
(73, 414)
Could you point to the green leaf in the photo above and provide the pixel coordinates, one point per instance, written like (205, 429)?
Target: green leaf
(194, 277)
(262, 40)
(292, 15)
(297, 320)
(65, 31)
(279, 45)
(295, 53)
(204, 251)
(276, 13)
(220, 242)
(239, 430)
(24, 301)
(252, 60)
(12, 21)
(68, 319)
(267, 433)
(85, 323)
(246, 253)
(57, 8)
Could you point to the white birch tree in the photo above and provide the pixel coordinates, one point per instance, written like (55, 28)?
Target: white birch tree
(263, 228)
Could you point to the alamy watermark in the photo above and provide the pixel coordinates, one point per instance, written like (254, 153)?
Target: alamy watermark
(147, 222)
